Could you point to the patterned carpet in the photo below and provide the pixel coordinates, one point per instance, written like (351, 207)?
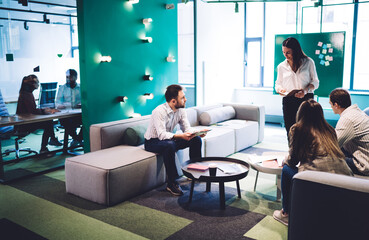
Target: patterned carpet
(39, 208)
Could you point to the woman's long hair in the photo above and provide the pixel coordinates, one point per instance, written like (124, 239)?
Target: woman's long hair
(297, 53)
(313, 128)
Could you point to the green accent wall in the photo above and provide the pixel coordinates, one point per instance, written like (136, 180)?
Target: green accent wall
(114, 28)
(327, 51)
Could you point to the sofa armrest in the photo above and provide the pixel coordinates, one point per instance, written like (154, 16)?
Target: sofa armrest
(250, 112)
(328, 206)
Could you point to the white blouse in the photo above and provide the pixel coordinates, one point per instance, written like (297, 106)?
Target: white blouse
(301, 79)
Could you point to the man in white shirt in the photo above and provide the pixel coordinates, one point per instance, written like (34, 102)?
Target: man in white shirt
(69, 96)
(352, 131)
(159, 137)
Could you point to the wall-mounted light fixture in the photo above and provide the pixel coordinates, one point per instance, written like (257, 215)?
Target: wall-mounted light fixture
(148, 77)
(147, 39)
(169, 6)
(105, 59)
(146, 20)
(170, 59)
(135, 115)
(122, 98)
(148, 95)
(133, 1)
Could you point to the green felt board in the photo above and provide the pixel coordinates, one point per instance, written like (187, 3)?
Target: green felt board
(330, 76)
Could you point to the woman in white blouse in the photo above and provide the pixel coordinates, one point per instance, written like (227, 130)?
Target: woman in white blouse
(296, 80)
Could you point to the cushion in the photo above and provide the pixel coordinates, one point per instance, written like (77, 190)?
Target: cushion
(217, 115)
(134, 136)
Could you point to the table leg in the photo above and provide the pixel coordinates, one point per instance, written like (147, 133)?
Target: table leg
(65, 143)
(191, 191)
(256, 179)
(208, 188)
(238, 188)
(222, 195)
(278, 180)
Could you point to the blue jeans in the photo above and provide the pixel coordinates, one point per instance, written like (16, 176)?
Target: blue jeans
(168, 148)
(286, 182)
(350, 162)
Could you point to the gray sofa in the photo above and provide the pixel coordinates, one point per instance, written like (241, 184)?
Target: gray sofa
(328, 206)
(118, 167)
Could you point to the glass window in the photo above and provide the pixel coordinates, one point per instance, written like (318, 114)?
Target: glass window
(361, 73)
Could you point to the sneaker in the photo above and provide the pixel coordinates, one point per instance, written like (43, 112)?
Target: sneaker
(174, 189)
(281, 217)
(55, 142)
(75, 143)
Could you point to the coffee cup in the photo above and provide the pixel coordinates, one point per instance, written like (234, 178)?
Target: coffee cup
(213, 169)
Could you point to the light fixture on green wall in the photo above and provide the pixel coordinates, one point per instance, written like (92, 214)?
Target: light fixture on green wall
(148, 77)
(170, 59)
(169, 6)
(105, 59)
(148, 95)
(133, 1)
(122, 98)
(146, 20)
(147, 39)
(135, 115)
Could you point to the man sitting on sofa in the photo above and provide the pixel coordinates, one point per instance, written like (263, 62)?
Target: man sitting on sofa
(159, 137)
(352, 131)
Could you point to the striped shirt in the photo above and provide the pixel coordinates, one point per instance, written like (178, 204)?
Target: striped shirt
(353, 135)
(163, 122)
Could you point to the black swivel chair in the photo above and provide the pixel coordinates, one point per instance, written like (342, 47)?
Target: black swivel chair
(8, 132)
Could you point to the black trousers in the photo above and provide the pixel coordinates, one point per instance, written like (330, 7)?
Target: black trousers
(290, 106)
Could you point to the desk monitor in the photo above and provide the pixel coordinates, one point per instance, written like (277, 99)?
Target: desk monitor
(47, 95)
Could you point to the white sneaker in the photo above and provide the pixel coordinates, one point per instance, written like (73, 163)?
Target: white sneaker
(281, 217)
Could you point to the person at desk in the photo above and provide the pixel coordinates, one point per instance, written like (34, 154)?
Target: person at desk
(69, 96)
(27, 105)
(296, 80)
(313, 145)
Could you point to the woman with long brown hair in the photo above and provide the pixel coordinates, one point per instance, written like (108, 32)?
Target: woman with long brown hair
(313, 146)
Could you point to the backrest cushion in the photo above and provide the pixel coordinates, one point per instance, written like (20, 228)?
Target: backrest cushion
(216, 115)
(134, 135)
(192, 116)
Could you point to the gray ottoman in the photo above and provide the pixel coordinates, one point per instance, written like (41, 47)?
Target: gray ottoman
(113, 175)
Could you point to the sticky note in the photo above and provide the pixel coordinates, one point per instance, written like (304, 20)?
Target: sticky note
(331, 58)
(324, 46)
(322, 62)
(330, 50)
(329, 45)
(327, 63)
(317, 52)
(320, 44)
(327, 57)
(321, 56)
(324, 51)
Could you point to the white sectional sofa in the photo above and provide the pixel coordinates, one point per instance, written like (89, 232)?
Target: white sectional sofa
(118, 167)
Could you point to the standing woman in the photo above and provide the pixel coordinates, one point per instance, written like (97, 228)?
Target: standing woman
(296, 80)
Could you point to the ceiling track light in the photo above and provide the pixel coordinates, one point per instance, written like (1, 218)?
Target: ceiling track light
(148, 77)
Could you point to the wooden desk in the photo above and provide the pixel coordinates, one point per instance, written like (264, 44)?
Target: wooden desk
(23, 119)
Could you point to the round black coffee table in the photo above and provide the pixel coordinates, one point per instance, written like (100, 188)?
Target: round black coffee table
(229, 170)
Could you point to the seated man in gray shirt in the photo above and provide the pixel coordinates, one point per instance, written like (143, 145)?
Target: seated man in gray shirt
(159, 137)
(352, 131)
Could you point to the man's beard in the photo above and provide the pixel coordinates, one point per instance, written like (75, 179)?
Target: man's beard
(177, 106)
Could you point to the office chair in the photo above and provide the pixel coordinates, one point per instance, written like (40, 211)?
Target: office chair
(47, 95)
(9, 131)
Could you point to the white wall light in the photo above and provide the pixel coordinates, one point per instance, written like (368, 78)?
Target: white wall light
(147, 39)
(169, 6)
(146, 20)
(148, 95)
(170, 59)
(105, 59)
(148, 77)
(133, 1)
